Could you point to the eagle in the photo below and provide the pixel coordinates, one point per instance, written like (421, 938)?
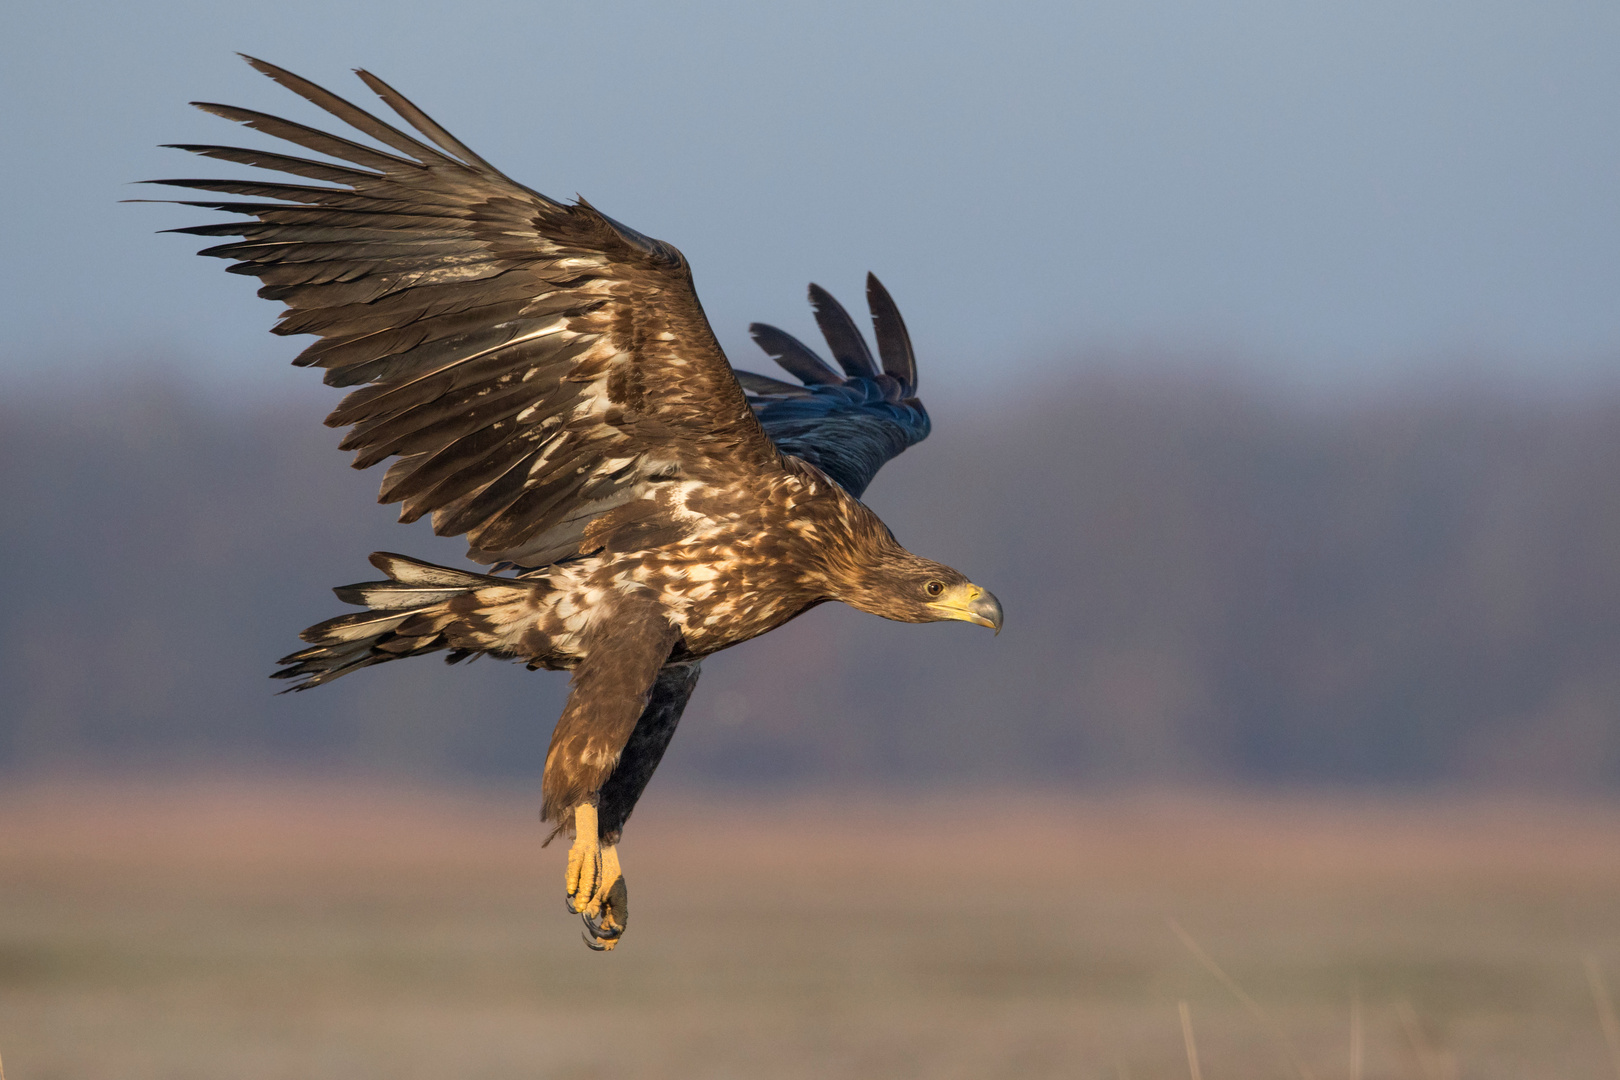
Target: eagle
(545, 383)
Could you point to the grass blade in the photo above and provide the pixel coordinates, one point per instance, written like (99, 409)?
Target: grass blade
(1192, 1044)
(1605, 1011)
(1357, 1039)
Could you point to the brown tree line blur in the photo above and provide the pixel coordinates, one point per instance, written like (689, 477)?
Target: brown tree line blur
(1203, 581)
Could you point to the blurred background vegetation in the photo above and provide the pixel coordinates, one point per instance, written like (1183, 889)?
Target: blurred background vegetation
(1271, 351)
(1205, 580)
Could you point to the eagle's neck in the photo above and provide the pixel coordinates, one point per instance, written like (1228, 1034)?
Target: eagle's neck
(853, 556)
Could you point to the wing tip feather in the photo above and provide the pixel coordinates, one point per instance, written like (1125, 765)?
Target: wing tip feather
(893, 339)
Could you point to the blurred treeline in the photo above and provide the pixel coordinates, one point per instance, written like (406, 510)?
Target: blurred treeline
(1203, 580)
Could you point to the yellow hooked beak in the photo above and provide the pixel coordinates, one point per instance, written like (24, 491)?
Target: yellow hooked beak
(969, 603)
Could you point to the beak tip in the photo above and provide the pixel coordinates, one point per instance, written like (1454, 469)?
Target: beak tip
(988, 608)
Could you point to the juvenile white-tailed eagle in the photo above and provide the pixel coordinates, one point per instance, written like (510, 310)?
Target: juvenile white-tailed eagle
(546, 383)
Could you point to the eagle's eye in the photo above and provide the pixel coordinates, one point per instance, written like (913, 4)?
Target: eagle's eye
(934, 588)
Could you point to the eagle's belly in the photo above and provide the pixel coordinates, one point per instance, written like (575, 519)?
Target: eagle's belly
(733, 616)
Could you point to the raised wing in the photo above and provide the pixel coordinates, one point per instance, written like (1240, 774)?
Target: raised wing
(846, 424)
(543, 375)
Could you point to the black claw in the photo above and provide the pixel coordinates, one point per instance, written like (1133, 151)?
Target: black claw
(616, 908)
(604, 933)
(601, 930)
(594, 944)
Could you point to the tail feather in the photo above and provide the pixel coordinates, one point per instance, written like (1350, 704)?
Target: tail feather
(408, 571)
(411, 613)
(355, 626)
(391, 596)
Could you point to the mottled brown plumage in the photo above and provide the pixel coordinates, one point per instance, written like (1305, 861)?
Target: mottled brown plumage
(546, 383)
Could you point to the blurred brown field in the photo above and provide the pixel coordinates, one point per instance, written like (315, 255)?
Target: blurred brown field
(251, 927)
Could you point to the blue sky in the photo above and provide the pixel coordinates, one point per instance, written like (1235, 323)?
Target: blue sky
(1331, 191)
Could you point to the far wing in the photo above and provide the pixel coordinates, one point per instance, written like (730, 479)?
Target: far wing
(543, 376)
(847, 424)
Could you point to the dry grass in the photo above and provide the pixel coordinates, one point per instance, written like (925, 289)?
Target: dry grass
(324, 929)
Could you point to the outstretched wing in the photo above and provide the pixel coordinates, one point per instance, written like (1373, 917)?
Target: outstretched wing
(846, 424)
(544, 376)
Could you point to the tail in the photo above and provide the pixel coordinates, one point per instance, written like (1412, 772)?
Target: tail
(421, 608)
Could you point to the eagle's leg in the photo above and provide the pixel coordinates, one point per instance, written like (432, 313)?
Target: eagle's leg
(625, 648)
(607, 911)
(646, 745)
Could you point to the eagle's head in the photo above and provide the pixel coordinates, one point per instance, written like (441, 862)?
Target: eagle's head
(885, 579)
(913, 589)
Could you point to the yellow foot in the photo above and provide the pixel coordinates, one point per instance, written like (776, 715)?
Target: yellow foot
(596, 890)
(608, 911)
(584, 875)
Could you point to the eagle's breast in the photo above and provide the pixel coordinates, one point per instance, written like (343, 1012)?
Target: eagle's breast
(749, 573)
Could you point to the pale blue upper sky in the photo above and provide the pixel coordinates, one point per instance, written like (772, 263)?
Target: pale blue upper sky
(1327, 189)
